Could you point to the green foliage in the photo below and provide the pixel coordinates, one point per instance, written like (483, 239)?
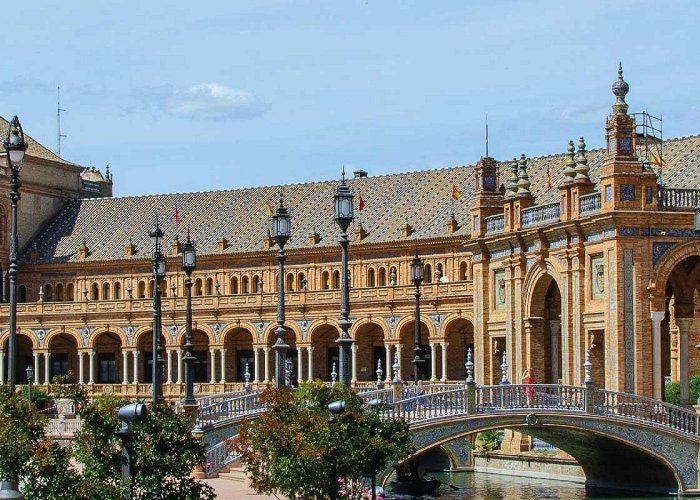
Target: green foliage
(21, 431)
(488, 440)
(49, 474)
(40, 398)
(294, 451)
(672, 391)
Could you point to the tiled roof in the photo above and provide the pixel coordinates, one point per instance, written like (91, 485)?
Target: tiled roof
(421, 199)
(34, 148)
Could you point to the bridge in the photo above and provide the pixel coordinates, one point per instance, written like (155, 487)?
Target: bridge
(620, 440)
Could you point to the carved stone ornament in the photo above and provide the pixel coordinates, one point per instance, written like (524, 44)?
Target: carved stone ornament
(600, 277)
(501, 293)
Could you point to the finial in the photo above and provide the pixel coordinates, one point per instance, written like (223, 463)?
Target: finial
(504, 370)
(587, 368)
(619, 90)
(523, 178)
(246, 375)
(513, 179)
(380, 373)
(396, 366)
(334, 373)
(581, 168)
(343, 174)
(281, 197)
(570, 167)
(469, 365)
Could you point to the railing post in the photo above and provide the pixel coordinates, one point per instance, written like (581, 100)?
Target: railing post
(589, 388)
(396, 381)
(470, 386)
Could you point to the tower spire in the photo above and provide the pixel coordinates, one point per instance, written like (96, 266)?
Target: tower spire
(619, 90)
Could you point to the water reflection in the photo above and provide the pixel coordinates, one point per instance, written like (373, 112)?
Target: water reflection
(494, 487)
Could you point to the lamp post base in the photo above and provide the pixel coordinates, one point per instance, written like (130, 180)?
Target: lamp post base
(9, 489)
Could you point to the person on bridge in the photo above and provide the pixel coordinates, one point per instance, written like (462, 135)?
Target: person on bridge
(528, 379)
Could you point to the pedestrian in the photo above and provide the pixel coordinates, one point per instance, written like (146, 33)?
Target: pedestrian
(528, 380)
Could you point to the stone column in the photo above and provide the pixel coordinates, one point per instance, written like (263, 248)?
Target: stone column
(256, 365)
(169, 359)
(433, 361)
(37, 366)
(223, 365)
(300, 363)
(125, 367)
(444, 362)
(91, 355)
(656, 319)
(398, 351)
(81, 367)
(47, 368)
(388, 362)
(555, 353)
(353, 376)
(212, 368)
(683, 327)
(266, 350)
(2, 368)
(179, 365)
(310, 354)
(135, 355)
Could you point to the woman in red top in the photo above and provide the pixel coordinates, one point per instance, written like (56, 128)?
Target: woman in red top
(528, 379)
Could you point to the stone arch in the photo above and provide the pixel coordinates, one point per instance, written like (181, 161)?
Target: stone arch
(322, 336)
(319, 325)
(140, 332)
(357, 325)
(269, 334)
(58, 331)
(668, 262)
(458, 332)
(200, 327)
(101, 330)
(370, 338)
(532, 277)
(425, 321)
(405, 332)
(26, 332)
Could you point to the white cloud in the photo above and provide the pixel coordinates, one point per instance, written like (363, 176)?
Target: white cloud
(203, 101)
(572, 114)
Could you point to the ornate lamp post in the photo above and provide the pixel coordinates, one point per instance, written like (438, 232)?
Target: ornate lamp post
(343, 199)
(30, 379)
(189, 263)
(15, 147)
(281, 230)
(156, 234)
(417, 278)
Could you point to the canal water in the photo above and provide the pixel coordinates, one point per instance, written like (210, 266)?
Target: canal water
(482, 486)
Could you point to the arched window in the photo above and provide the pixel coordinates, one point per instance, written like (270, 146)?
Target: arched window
(142, 290)
(151, 287)
(427, 274)
(105, 291)
(393, 278)
(290, 282)
(70, 292)
(438, 272)
(59, 292)
(210, 286)
(336, 279)
(463, 276)
(257, 284)
(234, 286)
(198, 286)
(245, 284)
(48, 293)
(164, 288)
(22, 293)
(117, 291)
(381, 280)
(301, 282)
(325, 281)
(95, 292)
(370, 277)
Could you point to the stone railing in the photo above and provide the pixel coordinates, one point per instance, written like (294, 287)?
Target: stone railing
(539, 214)
(58, 428)
(494, 224)
(539, 396)
(679, 198)
(590, 203)
(218, 457)
(229, 409)
(648, 410)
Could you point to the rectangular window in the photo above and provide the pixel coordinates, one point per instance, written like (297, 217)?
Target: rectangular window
(107, 373)
(200, 365)
(244, 356)
(59, 364)
(608, 193)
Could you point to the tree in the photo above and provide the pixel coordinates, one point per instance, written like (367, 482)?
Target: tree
(293, 450)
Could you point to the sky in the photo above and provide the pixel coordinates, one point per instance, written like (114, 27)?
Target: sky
(182, 96)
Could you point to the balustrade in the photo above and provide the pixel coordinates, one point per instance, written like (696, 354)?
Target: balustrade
(494, 224)
(539, 214)
(590, 203)
(679, 198)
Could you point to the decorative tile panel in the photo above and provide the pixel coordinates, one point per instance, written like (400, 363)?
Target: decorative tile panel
(658, 248)
(627, 192)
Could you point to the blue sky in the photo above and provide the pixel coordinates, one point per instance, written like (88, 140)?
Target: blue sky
(219, 95)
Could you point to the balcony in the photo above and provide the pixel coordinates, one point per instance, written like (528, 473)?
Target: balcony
(539, 214)
(494, 224)
(590, 203)
(679, 198)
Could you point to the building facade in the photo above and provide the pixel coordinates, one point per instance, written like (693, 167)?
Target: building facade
(531, 263)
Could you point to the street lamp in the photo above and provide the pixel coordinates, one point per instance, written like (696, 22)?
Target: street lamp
(156, 234)
(281, 230)
(343, 199)
(189, 264)
(417, 278)
(30, 379)
(15, 147)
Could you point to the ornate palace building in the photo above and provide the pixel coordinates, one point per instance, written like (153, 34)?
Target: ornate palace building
(534, 261)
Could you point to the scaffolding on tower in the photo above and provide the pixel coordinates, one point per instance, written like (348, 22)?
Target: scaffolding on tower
(650, 143)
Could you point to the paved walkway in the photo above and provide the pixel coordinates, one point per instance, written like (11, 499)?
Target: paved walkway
(227, 489)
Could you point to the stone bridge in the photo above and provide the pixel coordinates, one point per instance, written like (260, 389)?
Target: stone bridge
(621, 440)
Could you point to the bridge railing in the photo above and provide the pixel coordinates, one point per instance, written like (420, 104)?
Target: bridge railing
(219, 398)
(439, 404)
(536, 396)
(647, 410)
(218, 457)
(226, 410)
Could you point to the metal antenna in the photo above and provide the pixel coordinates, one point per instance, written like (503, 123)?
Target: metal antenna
(59, 135)
(487, 135)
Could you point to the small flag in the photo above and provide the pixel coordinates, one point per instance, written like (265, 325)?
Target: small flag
(656, 160)
(549, 179)
(176, 215)
(456, 193)
(268, 207)
(361, 203)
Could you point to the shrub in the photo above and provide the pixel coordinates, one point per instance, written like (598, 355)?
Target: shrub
(672, 391)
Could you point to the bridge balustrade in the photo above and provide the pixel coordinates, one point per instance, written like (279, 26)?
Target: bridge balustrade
(438, 404)
(226, 410)
(536, 396)
(218, 457)
(648, 410)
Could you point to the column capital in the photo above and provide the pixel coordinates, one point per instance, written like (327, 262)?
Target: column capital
(657, 315)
